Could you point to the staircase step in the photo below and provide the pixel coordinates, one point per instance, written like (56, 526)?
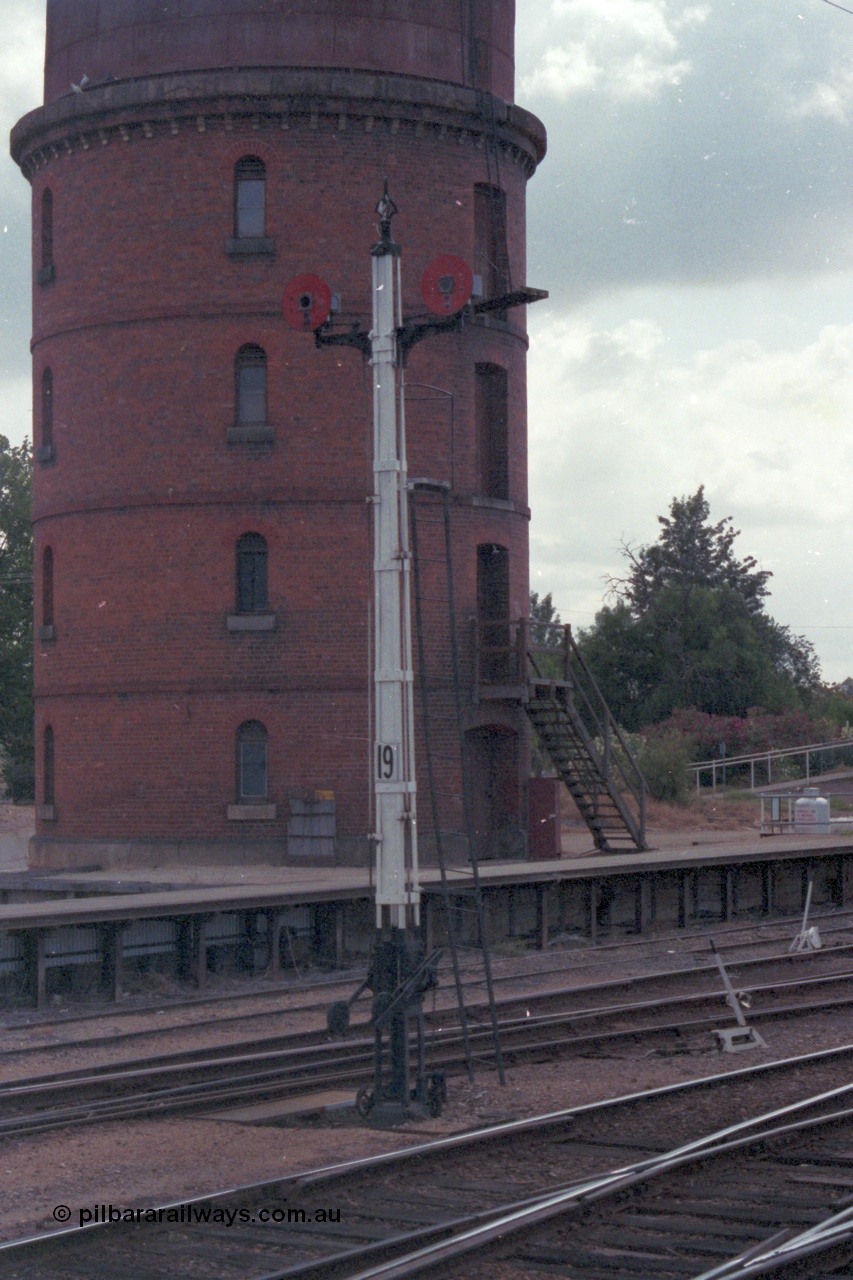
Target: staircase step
(564, 737)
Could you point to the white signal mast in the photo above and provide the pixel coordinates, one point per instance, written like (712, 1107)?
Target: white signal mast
(394, 785)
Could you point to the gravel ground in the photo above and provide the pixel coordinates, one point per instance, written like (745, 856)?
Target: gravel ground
(145, 1162)
(149, 1162)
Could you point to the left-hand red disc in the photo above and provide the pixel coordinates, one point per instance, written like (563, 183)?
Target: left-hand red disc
(307, 302)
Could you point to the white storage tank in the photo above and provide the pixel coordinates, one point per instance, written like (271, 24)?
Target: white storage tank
(811, 813)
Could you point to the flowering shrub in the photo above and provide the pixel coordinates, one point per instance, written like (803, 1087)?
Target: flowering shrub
(758, 730)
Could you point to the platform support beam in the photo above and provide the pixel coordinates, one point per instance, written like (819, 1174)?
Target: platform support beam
(592, 911)
(192, 949)
(542, 917)
(340, 934)
(111, 959)
(682, 899)
(767, 888)
(34, 961)
(274, 921)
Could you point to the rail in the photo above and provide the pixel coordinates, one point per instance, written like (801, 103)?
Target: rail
(722, 763)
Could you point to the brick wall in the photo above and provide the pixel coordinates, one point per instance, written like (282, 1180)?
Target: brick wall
(144, 496)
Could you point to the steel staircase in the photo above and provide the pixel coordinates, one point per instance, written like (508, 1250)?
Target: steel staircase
(580, 763)
(540, 665)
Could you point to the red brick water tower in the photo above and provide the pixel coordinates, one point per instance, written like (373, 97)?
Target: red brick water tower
(202, 524)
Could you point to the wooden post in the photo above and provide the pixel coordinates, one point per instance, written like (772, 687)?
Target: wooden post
(729, 893)
(198, 956)
(34, 966)
(638, 904)
(111, 959)
(766, 888)
(839, 897)
(682, 898)
(274, 919)
(647, 901)
(192, 949)
(542, 917)
(593, 911)
(340, 933)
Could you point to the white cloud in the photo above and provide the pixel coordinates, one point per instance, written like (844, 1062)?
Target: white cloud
(618, 428)
(627, 48)
(827, 99)
(17, 413)
(21, 56)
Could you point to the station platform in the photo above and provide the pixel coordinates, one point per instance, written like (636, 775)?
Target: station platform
(61, 930)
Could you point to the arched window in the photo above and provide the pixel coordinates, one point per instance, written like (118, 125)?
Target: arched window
(252, 574)
(497, 657)
(251, 761)
(47, 591)
(491, 258)
(250, 375)
(491, 411)
(47, 271)
(48, 777)
(250, 183)
(45, 449)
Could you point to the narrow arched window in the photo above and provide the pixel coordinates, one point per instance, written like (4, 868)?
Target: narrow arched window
(492, 415)
(491, 257)
(47, 587)
(250, 372)
(251, 761)
(252, 573)
(250, 181)
(48, 778)
(497, 656)
(46, 271)
(47, 409)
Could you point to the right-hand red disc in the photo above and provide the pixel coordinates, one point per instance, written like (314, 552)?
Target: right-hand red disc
(447, 285)
(307, 302)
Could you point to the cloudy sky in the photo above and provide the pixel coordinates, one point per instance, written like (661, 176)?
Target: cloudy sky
(693, 222)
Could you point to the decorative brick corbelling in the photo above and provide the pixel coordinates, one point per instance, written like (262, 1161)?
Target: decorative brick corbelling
(143, 108)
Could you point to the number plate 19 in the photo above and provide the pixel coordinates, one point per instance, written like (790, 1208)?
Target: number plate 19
(387, 762)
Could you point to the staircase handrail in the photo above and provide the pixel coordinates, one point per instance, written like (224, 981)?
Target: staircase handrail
(774, 753)
(601, 718)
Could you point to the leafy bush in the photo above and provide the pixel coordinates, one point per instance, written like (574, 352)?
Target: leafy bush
(20, 779)
(663, 760)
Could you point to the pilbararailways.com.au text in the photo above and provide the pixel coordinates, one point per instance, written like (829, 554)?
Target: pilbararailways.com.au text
(190, 1214)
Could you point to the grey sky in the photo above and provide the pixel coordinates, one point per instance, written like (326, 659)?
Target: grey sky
(692, 222)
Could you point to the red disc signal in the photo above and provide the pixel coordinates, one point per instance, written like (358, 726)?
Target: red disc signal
(447, 285)
(307, 302)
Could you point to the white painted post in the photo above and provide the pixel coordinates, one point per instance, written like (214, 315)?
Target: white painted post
(397, 891)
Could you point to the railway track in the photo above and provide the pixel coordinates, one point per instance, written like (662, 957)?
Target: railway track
(733, 940)
(592, 1193)
(760, 968)
(544, 1025)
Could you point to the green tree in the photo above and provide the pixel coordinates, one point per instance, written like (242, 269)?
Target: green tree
(688, 629)
(16, 617)
(690, 552)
